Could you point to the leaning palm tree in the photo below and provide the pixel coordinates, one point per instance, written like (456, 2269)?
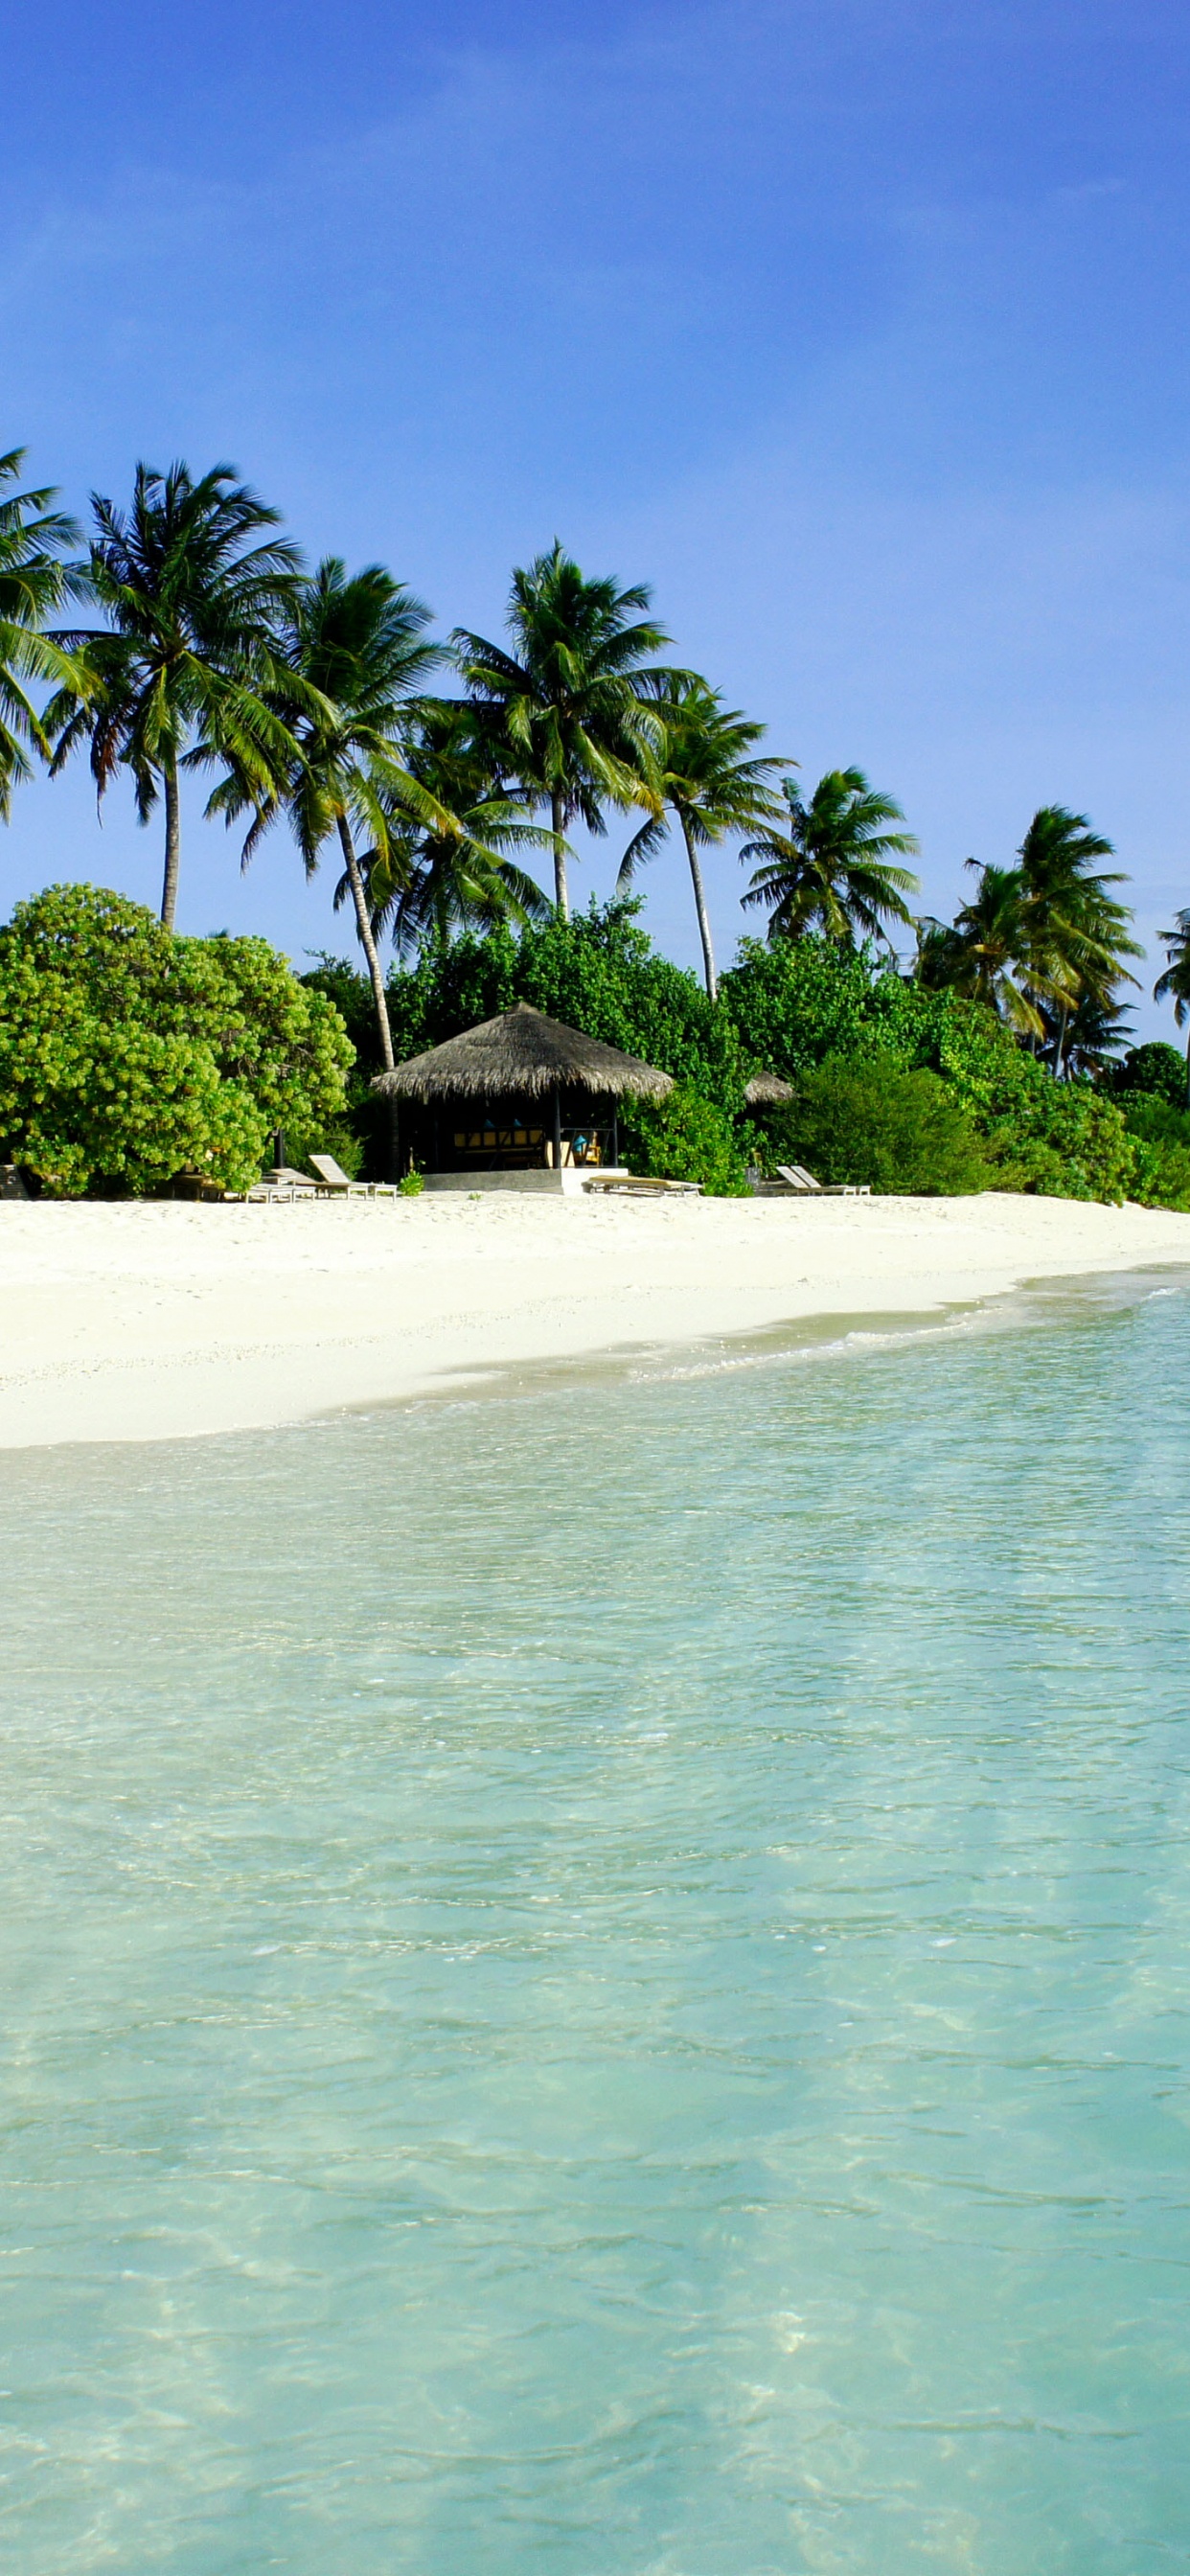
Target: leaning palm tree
(978, 954)
(1075, 934)
(1174, 984)
(353, 653)
(833, 867)
(34, 581)
(180, 678)
(424, 882)
(705, 777)
(565, 709)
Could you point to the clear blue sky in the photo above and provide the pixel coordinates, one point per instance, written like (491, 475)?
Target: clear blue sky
(859, 329)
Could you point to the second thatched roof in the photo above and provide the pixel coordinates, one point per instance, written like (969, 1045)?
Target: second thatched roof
(521, 1056)
(765, 1088)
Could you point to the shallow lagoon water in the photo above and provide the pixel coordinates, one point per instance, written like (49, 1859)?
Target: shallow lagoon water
(598, 1982)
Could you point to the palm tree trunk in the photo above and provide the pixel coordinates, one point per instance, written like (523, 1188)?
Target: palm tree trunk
(1061, 1046)
(561, 890)
(173, 841)
(700, 906)
(367, 941)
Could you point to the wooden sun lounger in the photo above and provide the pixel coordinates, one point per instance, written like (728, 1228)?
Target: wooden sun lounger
(635, 1184)
(332, 1182)
(804, 1183)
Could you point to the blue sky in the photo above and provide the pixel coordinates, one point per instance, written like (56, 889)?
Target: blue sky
(860, 331)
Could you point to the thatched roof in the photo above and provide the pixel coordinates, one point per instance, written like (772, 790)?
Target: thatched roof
(520, 1056)
(765, 1088)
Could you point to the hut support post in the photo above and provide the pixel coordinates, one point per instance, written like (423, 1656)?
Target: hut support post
(616, 1135)
(557, 1128)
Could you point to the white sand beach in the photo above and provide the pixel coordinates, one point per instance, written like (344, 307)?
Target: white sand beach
(141, 1321)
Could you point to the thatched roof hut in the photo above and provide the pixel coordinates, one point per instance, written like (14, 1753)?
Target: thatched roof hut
(522, 1055)
(766, 1089)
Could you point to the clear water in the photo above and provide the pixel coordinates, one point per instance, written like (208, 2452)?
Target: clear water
(597, 1983)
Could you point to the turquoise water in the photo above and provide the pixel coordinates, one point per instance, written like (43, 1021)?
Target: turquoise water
(597, 1982)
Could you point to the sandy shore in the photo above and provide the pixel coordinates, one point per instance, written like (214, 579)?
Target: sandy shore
(141, 1322)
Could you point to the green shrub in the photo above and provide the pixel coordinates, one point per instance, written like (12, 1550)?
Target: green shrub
(866, 1118)
(1161, 1149)
(685, 1138)
(412, 1185)
(1156, 1068)
(126, 1054)
(1060, 1139)
(798, 1002)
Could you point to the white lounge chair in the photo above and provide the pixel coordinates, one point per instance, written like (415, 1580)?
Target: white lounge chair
(799, 1179)
(280, 1185)
(641, 1185)
(333, 1182)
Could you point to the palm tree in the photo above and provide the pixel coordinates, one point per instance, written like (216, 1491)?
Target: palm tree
(181, 676)
(978, 954)
(1091, 1035)
(833, 868)
(566, 708)
(1174, 984)
(33, 584)
(704, 776)
(353, 653)
(1074, 933)
(424, 882)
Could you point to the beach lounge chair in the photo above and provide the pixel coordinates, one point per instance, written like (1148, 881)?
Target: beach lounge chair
(331, 1181)
(640, 1184)
(281, 1184)
(799, 1179)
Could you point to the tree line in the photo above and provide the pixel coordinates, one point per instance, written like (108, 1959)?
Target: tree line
(201, 644)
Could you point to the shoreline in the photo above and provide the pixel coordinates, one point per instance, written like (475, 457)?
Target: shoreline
(135, 1321)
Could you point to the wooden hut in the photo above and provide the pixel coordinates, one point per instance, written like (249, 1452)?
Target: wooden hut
(521, 1099)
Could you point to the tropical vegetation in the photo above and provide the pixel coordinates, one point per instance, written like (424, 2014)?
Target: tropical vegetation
(834, 868)
(182, 675)
(128, 1056)
(188, 637)
(34, 583)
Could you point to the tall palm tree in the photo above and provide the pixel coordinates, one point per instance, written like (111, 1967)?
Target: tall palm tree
(704, 775)
(1075, 934)
(978, 955)
(566, 707)
(833, 867)
(181, 676)
(1174, 984)
(33, 584)
(353, 653)
(424, 882)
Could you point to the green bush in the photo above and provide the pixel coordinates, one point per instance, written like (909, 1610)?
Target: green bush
(1156, 1068)
(797, 1002)
(685, 1138)
(866, 1118)
(1161, 1149)
(126, 1054)
(411, 1186)
(1060, 1139)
